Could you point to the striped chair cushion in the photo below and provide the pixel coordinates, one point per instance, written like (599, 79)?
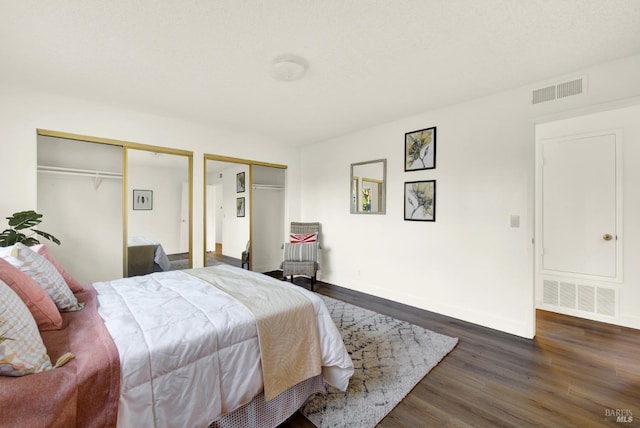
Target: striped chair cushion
(301, 252)
(299, 268)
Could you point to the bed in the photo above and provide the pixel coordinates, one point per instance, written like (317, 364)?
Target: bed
(182, 348)
(160, 259)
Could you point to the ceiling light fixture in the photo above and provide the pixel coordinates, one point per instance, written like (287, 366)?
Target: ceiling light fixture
(288, 68)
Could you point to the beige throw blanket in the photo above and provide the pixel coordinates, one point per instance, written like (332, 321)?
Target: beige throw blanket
(286, 322)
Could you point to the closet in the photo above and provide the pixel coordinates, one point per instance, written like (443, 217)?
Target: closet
(86, 192)
(80, 197)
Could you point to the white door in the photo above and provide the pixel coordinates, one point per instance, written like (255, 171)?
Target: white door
(184, 219)
(211, 217)
(579, 205)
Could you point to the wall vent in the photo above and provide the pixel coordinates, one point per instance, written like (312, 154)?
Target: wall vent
(560, 90)
(550, 292)
(584, 298)
(606, 301)
(568, 295)
(567, 89)
(544, 94)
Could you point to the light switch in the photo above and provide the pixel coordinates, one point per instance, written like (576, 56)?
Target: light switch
(515, 221)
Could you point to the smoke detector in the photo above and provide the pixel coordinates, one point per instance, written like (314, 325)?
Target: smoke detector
(288, 68)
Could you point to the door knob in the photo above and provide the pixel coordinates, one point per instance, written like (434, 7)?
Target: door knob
(607, 237)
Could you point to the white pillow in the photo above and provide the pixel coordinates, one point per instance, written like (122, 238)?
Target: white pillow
(44, 273)
(10, 251)
(21, 349)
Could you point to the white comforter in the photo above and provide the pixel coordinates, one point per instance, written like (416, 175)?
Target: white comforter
(189, 352)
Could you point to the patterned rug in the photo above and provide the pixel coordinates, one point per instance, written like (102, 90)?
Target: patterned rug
(390, 357)
(181, 264)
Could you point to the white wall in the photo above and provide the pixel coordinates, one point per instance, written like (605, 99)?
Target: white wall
(469, 264)
(22, 111)
(628, 120)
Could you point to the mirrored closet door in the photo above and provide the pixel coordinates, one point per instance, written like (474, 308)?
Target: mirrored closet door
(227, 213)
(158, 211)
(244, 213)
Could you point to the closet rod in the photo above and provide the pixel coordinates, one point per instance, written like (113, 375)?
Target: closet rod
(268, 186)
(80, 172)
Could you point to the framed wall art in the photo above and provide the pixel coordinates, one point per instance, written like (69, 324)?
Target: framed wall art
(420, 149)
(240, 182)
(142, 199)
(420, 200)
(240, 207)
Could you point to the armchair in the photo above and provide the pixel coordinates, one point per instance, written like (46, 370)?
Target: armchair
(246, 256)
(301, 253)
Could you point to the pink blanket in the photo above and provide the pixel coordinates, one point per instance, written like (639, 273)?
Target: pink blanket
(82, 393)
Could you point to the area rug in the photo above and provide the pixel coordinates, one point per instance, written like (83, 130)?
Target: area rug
(181, 264)
(390, 357)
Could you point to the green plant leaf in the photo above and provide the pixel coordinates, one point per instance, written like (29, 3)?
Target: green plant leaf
(20, 221)
(30, 241)
(49, 236)
(9, 237)
(24, 219)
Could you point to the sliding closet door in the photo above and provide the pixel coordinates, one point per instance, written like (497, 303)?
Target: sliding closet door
(267, 229)
(249, 207)
(159, 205)
(80, 196)
(227, 218)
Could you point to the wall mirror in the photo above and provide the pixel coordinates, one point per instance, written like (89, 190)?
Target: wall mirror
(368, 187)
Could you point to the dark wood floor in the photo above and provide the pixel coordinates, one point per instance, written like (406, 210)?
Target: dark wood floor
(575, 373)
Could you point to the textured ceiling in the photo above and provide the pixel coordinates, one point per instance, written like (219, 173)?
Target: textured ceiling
(369, 61)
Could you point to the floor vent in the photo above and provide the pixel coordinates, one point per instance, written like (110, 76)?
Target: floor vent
(558, 91)
(585, 298)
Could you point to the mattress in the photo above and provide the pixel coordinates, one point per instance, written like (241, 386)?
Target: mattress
(189, 352)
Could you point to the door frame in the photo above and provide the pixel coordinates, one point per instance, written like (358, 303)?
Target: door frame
(562, 115)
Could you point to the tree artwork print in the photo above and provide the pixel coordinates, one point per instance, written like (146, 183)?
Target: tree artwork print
(420, 200)
(420, 149)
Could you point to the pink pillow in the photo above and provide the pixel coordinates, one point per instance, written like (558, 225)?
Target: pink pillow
(74, 285)
(303, 238)
(40, 305)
